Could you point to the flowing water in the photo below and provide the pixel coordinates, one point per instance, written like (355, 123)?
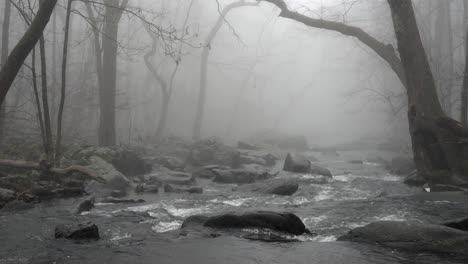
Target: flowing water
(357, 195)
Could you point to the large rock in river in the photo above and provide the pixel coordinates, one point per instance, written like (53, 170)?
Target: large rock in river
(6, 196)
(411, 236)
(241, 176)
(283, 222)
(77, 232)
(114, 179)
(123, 159)
(272, 186)
(299, 164)
(296, 163)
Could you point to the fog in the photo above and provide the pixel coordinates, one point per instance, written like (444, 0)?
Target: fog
(281, 75)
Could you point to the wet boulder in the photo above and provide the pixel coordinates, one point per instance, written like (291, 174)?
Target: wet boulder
(50, 190)
(85, 231)
(296, 163)
(86, 205)
(460, 224)
(121, 200)
(314, 169)
(114, 179)
(174, 189)
(124, 160)
(411, 236)
(283, 222)
(213, 152)
(6, 196)
(272, 186)
(240, 176)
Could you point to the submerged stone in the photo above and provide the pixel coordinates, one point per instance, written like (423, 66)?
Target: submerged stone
(85, 231)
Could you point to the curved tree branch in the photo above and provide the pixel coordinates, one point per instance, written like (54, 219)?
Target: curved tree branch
(385, 51)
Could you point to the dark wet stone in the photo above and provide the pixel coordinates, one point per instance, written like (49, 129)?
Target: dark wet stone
(173, 189)
(356, 162)
(86, 231)
(273, 186)
(206, 172)
(296, 163)
(86, 205)
(411, 236)
(120, 201)
(239, 176)
(460, 224)
(50, 191)
(6, 196)
(283, 222)
(314, 169)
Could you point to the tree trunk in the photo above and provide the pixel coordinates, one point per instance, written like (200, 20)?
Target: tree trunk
(464, 90)
(443, 55)
(438, 148)
(22, 49)
(37, 99)
(58, 146)
(4, 56)
(107, 126)
(45, 101)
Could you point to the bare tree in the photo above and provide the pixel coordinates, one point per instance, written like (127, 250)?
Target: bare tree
(58, 146)
(166, 85)
(438, 141)
(207, 45)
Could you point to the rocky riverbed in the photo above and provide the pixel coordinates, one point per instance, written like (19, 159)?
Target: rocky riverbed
(146, 225)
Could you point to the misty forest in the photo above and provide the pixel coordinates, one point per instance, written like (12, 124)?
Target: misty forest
(234, 131)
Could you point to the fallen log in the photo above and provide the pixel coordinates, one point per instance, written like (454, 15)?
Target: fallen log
(46, 168)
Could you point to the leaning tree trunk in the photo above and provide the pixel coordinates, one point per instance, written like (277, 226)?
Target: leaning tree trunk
(22, 49)
(439, 151)
(4, 56)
